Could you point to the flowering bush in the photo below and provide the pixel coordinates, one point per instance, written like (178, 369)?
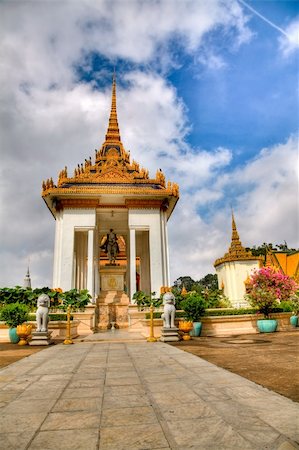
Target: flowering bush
(268, 287)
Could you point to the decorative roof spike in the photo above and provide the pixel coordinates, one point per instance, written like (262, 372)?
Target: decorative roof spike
(235, 234)
(112, 134)
(236, 246)
(236, 250)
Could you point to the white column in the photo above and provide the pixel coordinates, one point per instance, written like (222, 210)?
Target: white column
(167, 271)
(132, 263)
(90, 263)
(156, 260)
(56, 251)
(96, 265)
(163, 247)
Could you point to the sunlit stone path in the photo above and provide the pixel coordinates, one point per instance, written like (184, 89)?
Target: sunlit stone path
(136, 395)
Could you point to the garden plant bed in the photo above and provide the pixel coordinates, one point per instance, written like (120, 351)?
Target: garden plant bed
(271, 360)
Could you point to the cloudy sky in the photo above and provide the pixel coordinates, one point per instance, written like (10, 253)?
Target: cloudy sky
(207, 90)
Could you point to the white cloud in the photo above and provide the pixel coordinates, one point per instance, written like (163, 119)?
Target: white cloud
(41, 41)
(265, 206)
(289, 42)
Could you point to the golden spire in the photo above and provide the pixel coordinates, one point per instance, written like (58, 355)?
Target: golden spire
(236, 247)
(236, 250)
(112, 135)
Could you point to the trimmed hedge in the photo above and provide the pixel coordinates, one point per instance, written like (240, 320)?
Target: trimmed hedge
(52, 317)
(220, 312)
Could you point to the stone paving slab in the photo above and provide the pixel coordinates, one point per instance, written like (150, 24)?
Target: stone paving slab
(137, 396)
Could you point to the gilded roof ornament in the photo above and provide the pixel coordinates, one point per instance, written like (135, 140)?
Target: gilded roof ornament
(236, 251)
(112, 166)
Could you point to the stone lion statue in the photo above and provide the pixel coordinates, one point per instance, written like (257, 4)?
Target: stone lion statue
(42, 313)
(169, 310)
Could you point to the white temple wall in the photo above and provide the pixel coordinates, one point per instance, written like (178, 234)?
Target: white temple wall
(70, 220)
(149, 219)
(233, 275)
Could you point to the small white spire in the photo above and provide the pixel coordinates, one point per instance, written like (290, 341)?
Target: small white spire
(27, 279)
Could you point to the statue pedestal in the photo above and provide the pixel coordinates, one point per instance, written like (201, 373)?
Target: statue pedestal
(113, 302)
(41, 338)
(169, 334)
(112, 277)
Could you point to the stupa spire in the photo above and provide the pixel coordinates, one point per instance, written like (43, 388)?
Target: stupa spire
(236, 250)
(112, 135)
(235, 234)
(236, 245)
(27, 279)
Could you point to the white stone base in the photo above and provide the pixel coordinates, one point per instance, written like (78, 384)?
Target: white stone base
(169, 334)
(41, 338)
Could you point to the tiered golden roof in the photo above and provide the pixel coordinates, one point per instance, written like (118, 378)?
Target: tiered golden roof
(112, 171)
(236, 251)
(285, 262)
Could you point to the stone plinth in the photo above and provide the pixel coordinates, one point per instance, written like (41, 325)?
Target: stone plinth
(112, 277)
(112, 313)
(113, 307)
(169, 334)
(41, 338)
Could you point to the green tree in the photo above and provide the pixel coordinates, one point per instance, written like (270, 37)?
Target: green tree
(209, 281)
(262, 249)
(186, 281)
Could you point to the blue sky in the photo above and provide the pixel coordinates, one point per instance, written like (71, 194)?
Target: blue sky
(207, 90)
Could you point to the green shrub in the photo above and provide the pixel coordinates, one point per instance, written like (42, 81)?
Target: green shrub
(77, 300)
(144, 300)
(194, 307)
(14, 314)
(286, 305)
(74, 298)
(26, 296)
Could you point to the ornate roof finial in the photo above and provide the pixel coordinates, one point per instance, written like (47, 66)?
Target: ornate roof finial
(236, 245)
(112, 134)
(235, 234)
(236, 250)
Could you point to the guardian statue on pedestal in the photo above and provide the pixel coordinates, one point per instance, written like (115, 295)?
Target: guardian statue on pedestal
(42, 313)
(169, 310)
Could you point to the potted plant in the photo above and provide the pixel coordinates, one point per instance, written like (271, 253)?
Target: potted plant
(265, 301)
(267, 287)
(14, 314)
(295, 308)
(194, 307)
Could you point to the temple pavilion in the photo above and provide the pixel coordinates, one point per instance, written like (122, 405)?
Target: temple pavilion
(111, 192)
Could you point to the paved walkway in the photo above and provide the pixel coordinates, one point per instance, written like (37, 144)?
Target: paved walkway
(137, 395)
